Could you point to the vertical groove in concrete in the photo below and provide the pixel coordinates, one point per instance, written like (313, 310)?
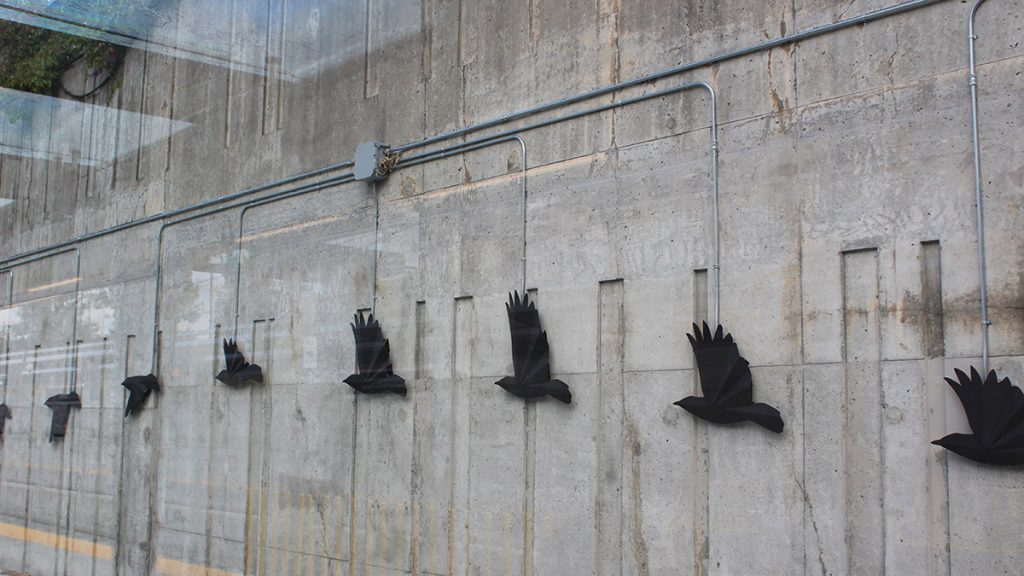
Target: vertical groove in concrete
(608, 526)
(416, 476)
(154, 463)
(146, 55)
(120, 544)
(701, 462)
(935, 352)
(419, 369)
(865, 538)
(529, 472)
(273, 80)
(229, 76)
(255, 515)
(211, 453)
(370, 88)
(31, 447)
(100, 466)
(462, 365)
(155, 457)
(66, 465)
(353, 526)
(426, 27)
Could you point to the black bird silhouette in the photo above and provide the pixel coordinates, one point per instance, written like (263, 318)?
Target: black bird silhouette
(238, 370)
(374, 374)
(5, 415)
(995, 412)
(61, 404)
(139, 388)
(725, 381)
(530, 354)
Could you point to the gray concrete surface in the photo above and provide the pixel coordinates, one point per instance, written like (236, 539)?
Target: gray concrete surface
(849, 280)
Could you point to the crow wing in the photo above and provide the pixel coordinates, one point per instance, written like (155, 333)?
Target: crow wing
(71, 400)
(233, 359)
(530, 358)
(994, 408)
(139, 388)
(724, 374)
(373, 352)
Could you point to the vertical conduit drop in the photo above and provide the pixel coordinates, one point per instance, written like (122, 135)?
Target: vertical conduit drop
(982, 269)
(345, 179)
(74, 321)
(478, 145)
(376, 247)
(430, 156)
(502, 136)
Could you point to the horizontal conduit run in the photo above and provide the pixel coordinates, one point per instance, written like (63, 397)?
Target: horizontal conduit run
(552, 105)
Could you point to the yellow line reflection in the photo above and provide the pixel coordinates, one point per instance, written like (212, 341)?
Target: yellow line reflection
(57, 541)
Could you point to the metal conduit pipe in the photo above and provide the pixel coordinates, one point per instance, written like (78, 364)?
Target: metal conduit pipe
(477, 145)
(976, 145)
(376, 245)
(163, 226)
(761, 46)
(177, 212)
(480, 142)
(373, 288)
(344, 179)
(9, 270)
(754, 48)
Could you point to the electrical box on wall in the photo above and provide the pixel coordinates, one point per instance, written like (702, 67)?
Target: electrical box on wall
(368, 158)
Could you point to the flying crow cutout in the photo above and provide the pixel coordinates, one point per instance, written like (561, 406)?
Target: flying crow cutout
(61, 404)
(139, 388)
(530, 354)
(374, 374)
(238, 371)
(725, 381)
(5, 415)
(995, 411)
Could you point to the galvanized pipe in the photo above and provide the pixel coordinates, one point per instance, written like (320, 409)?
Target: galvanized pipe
(476, 145)
(376, 246)
(74, 320)
(343, 179)
(179, 211)
(163, 226)
(978, 199)
(486, 140)
(761, 46)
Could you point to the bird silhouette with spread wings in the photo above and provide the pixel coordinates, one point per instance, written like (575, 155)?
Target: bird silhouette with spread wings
(995, 412)
(530, 354)
(139, 388)
(374, 373)
(726, 382)
(238, 371)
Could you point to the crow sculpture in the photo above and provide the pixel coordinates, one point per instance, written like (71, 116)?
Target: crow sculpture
(139, 388)
(726, 383)
(61, 404)
(995, 412)
(530, 354)
(374, 374)
(5, 415)
(238, 370)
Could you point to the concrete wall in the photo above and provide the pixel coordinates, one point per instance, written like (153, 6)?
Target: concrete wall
(849, 280)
